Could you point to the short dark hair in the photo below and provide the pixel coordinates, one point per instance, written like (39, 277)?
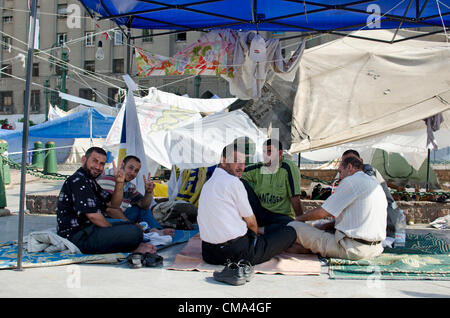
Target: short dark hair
(235, 146)
(95, 149)
(130, 157)
(351, 152)
(273, 142)
(355, 162)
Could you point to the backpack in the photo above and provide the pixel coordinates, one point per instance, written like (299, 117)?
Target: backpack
(179, 215)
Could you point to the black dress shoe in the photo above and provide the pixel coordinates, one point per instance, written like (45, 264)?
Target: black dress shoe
(249, 271)
(231, 274)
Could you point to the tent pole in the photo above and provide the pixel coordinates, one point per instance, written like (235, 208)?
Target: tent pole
(90, 128)
(428, 171)
(26, 124)
(128, 52)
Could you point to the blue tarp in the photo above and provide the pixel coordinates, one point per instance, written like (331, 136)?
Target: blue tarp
(271, 15)
(62, 131)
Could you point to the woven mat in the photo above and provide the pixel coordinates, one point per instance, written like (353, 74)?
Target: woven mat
(8, 255)
(8, 258)
(190, 259)
(424, 257)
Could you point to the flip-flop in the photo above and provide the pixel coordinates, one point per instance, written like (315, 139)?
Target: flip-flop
(135, 260)
(152, 260)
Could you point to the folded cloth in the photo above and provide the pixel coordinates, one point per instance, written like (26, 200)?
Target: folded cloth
(442, 222)
(50, 242)
(156, 239)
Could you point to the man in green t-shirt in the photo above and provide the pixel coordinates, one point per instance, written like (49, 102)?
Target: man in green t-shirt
(273, 188)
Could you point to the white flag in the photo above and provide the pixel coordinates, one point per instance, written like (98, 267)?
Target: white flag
(131, 139)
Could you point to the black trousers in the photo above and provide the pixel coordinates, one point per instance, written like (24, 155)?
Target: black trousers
(121, 237)
(270, 220)
(255, 249)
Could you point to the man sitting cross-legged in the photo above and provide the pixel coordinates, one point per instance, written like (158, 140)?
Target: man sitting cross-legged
(134, 207)
(228, 227)
(359, 208)
(80, 209)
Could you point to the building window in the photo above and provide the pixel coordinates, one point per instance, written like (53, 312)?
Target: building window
(35, 71)
(89, 66)
(147, 35)
(118, 66)
(181, 37)
(6, 101)
(114, 97)
(6, 71)
(89, 39)
(8, 19)
(62, 11)
(35, 102)
(6, 42)
(61, 39)
(88, 94)
(118, 37)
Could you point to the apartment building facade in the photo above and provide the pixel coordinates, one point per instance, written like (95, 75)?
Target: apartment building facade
(66, 33)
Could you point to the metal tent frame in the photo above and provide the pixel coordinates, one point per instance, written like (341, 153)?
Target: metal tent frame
(308, 17)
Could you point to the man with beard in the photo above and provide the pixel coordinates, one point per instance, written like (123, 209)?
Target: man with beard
(134, 207)
(81, 207)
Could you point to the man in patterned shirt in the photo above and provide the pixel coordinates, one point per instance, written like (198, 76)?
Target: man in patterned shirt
(81, 207)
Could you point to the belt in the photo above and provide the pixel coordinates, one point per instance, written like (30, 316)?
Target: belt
(365, 242)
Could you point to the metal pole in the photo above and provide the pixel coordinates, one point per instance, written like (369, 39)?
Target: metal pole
(63, 78)
(46, 92)
(26, 124)
(128, 52)
(90, 127)
(428, 171)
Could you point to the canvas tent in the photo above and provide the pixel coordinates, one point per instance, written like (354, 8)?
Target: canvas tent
(395, 168)
(174, 132)
(62, 131)
(351, 89)
(273, 15)
(332, 16)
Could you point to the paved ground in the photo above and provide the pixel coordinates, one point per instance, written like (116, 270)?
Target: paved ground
(117, 281)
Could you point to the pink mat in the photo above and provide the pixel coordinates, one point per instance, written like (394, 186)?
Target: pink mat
(190, 259)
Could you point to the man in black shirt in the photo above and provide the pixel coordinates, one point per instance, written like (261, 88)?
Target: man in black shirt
(80, 209)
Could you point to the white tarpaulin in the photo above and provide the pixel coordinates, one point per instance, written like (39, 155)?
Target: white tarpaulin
(200, 144)
(174, 132)
(409, 141)
(351, 89)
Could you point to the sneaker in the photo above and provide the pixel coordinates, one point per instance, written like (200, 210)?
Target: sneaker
(231, 274)
(247, 267)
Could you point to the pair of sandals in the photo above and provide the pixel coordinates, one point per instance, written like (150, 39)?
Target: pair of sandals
(138, 260)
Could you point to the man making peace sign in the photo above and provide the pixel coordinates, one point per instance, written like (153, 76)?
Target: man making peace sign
(134, 207)
(81, 209)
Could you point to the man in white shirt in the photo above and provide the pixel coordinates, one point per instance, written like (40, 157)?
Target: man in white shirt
(228, 227)
(359, 208)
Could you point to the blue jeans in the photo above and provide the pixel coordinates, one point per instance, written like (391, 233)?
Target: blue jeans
(135, 215)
